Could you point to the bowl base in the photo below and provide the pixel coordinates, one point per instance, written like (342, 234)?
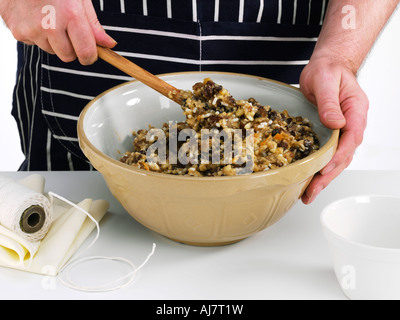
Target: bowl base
(206, 244)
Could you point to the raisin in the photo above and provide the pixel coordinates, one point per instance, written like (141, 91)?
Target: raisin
(198, 86)
(282, 144)
(272, 115)
(276, 131)
(212, 120)
(261, 112)
(252, 101)
(209, 89)
(231, 101)
(217, 89)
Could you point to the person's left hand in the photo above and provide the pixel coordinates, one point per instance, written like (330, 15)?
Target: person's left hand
(342, 104)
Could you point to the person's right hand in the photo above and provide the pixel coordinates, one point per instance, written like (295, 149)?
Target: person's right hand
(77, 29)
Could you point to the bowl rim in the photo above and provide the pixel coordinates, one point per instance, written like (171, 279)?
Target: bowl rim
(326, 211)
(83, 138)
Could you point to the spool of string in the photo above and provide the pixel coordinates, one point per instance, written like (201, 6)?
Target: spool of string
(24, 211)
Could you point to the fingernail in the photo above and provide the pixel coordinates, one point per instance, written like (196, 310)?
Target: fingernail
(314, 194)
(328, 169)
(334, 116)
(113, 41)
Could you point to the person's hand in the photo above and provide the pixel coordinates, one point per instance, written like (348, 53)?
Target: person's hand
(76, 33)
(342, 104)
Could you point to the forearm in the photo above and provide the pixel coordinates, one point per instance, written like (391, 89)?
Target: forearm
(3, 7)
(348, 35)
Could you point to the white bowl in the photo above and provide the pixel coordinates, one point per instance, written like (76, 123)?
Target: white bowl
(363, 233)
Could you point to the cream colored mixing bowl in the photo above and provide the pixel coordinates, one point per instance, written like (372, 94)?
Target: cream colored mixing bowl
(205, 211)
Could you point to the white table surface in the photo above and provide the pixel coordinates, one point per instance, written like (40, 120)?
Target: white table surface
(289, 260)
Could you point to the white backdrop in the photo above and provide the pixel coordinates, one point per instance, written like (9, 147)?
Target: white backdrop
(379, 77)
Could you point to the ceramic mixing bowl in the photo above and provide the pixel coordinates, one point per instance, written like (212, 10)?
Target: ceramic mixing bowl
(203, 211)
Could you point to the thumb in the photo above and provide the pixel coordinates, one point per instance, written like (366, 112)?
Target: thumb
(326, 91)
(101, 37)
(324, 86)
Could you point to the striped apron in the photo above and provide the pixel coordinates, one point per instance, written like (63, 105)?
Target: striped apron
(269, 38)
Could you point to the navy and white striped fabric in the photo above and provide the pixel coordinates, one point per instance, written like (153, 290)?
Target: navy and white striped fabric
(269, 38)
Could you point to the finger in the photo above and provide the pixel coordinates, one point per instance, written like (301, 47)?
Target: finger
(26, 37)
(44, 44)
(319, 183)
(340, 161)
(28, 42)
(102, 38)
(355, 109)
(351, 137)
(313, 189)
(82, 39)
(62, 46)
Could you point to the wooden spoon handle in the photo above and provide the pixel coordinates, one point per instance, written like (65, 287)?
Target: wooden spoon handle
(139, 73)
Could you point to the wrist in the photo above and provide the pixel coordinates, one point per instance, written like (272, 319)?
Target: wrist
(3, 9)
(336, 58)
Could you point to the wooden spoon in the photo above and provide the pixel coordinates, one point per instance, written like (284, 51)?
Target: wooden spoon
(140, 74)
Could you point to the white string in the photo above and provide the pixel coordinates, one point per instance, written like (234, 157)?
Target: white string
(73, 263)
